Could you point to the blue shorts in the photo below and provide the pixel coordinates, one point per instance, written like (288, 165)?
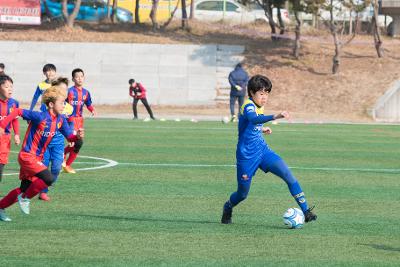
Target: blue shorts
(55, 150)
(246, 169)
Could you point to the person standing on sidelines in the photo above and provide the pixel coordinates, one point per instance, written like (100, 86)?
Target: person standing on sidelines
(238, 79)
(138, 92)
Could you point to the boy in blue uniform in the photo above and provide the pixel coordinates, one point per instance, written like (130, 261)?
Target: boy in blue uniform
(55, 150)
(252, 151)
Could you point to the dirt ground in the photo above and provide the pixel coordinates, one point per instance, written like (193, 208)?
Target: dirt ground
(305, 87)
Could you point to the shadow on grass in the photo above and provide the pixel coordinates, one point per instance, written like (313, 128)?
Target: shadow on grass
(163, 220)
(382, 247)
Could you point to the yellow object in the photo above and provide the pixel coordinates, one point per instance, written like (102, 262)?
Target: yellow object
(238, 88)
(68, 109)
(69, 169)
(164, 10)
(259, 110)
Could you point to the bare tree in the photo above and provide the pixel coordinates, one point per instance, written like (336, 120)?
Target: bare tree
(184, 15)
(377, 37)
(297, 8)
(114, 11)
(337, 29)
(108, 9)
(153, 14)
(165, 25)
(70, 18)
(191, 9)
(137, 16)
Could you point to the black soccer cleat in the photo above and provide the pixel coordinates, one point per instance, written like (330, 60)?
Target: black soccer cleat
(227, 214)
(309, 215)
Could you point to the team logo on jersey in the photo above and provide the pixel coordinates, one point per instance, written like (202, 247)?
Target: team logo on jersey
(59, 125)
(250, 108)
(11, 109)
(84, 98)
(45, 133)
(76, 102)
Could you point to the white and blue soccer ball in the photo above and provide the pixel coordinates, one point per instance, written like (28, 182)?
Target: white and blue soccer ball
(293, 218)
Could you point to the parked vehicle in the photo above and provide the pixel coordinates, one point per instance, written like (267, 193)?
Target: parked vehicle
(235, 13)
(90, 10)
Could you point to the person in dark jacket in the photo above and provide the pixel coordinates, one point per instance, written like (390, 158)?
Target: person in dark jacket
(2, 67)
(238, 79)
(138, 92)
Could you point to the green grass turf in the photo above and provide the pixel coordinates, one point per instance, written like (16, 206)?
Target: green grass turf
(135, 215)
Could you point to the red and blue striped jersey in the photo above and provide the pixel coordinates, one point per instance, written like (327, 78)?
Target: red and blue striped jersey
(77, 98)
(6, 107)
(41, 129)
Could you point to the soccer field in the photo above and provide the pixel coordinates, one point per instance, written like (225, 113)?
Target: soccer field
(161, 202)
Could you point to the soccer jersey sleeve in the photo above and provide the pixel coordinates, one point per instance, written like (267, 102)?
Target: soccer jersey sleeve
(30, 115)
(88, 101)
(250, 113)
(35, 98)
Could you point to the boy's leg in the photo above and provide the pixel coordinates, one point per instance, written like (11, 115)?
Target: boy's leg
(232, 100)
(56, 158)
(134, 108)
(1, 171)
(147, 106)
(245, 171)
(274, 164)
(12, 196)
(5, 146)
(46, 161)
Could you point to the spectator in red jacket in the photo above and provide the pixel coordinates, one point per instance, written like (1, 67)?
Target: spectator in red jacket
(138, 92)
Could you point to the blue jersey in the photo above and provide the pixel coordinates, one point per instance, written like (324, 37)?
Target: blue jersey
(251, 144)
(39, 91)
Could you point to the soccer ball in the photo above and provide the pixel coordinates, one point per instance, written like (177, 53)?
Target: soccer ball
(293, 218)
(225, 120)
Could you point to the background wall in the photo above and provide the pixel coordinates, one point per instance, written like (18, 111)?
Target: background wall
(172, 74)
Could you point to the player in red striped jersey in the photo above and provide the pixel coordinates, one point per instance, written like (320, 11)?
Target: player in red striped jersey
(34, 175)
(7, 105)
(77, 97)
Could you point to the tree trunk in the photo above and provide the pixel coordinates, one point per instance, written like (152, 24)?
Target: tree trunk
(336, 57)
(153, 14)
(114, 11)
(184, 15)
(137, 16)
(333, 29)
(377, 37)
(191, 9)
(296, 49)
(350, 24)
(108, 9)
(70, 19)
(269, 14)
(171, 17)
(46, 8)
(281, 23)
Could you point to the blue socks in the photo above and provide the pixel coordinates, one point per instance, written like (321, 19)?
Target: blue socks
(298, 195)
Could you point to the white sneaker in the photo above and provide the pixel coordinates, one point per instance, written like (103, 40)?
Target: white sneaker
(23, 204)
(3, 216)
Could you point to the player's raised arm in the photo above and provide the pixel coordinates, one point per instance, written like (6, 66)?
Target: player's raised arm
(35, 98)
(250, 113)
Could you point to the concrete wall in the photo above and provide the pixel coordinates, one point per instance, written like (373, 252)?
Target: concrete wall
(172, 74)
(387, 108)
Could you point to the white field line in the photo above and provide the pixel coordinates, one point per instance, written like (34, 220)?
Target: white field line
(108, 163)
